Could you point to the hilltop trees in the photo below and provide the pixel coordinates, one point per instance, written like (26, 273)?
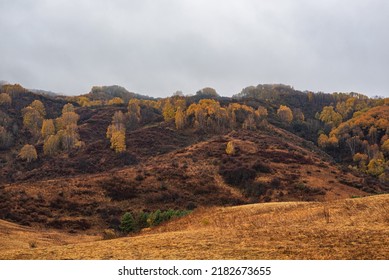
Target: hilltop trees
(5, 99)
(361, 138)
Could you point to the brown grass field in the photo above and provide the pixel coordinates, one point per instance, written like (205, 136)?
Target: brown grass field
(344, 229)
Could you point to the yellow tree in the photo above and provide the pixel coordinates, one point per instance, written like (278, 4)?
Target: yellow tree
(48, 128)
(285, 114)
(261, 112)
(322, 141)
(118, 141)
(28, 153)
(5, 99)
(168, 111)
(67, 108)
(32, 120)
(68, 118)
(230, 149)
(52, 144)
(116, 101)
(38, 105)
(330, 117)
(179, 118)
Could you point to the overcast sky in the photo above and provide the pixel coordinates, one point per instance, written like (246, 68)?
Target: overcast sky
(158, 47)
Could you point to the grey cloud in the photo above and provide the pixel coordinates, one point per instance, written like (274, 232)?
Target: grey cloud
(157, 47)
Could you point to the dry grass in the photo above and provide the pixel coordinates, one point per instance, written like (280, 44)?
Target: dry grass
(344, 229)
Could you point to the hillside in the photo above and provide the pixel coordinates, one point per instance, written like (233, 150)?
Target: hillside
(270, 165)
(341, 229)
(78, 164)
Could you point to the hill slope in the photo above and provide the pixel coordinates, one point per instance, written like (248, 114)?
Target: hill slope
(343, 229)
(271, 165)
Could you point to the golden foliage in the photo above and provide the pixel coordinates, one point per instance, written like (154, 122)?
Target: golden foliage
(179, 119)
(261, 112)
(48, 128)
(38, 105)
(32, 120)
(168, 111)
(67, 108)
(28, 153)
(116, 101)
(52, 144)
(116, 132)
(285, 114)
(5, 99)
(230, 149)
(68, 118)
(118, 141)
(330, 117)
(322, 140)
(376, 167)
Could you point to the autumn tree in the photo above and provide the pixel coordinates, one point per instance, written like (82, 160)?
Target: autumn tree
(52, 144)
(330, 117)
(5, 99)
(68, 108)
(32, 120)
(322, 141)
(116, 101)
(134, 113)
(179, 118)
(38, 106)
(67, 119)
(230, 149)
(376, 167)
(84, 101)
(28, 153)
(385, 147)
(261, 113)
(168, 111)
(48, 128)
(116, 132)
(118, 141)
(285, 113)
(69, 137)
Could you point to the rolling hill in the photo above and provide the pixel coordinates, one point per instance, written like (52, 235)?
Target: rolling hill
(341, 229)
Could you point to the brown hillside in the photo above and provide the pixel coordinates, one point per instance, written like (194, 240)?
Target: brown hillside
(342, 229)
(271, 165)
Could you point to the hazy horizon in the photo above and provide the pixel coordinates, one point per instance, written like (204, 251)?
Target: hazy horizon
(156, 48)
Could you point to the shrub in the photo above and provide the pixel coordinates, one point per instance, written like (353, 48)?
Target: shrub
(230, 149)
(128, 223)
(109, 234)
(238, 175)
(135, 222)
